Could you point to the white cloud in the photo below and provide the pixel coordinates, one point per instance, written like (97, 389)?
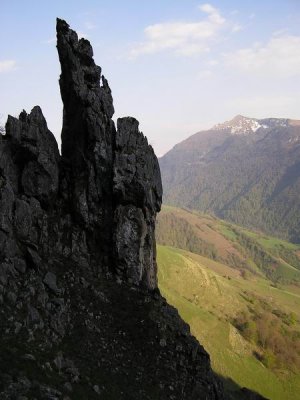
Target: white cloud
(185, 38)
(204, 74)
(208, 8)
(7, 65)
(280, 57)
(213, 14)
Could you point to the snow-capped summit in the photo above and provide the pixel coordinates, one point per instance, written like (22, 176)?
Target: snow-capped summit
(241, 125)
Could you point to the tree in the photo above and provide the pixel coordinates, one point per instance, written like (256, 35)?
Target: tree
(269, 359)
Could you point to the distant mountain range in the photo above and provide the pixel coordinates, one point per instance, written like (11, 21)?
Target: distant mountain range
(245, 170)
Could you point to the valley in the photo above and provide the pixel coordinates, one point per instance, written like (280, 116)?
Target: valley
(245, 316)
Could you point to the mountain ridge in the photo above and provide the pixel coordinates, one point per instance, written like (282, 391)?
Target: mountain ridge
(243, 125)
(249, 179)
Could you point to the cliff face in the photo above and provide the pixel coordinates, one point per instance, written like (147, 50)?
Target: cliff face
(81, 315)
(111, 179)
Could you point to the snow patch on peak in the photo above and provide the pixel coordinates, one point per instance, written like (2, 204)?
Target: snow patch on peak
(240, 125)
(245, 126)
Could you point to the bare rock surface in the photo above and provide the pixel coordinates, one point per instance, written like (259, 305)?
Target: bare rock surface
(80, 312)
(138, 193)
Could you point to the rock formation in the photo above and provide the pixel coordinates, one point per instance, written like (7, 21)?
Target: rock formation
(111, 179)
(137, 192)
(81, 315)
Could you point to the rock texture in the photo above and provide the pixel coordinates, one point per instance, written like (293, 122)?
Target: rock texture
(137, 192)
(88, 137)
(111, 179)
(81, 315)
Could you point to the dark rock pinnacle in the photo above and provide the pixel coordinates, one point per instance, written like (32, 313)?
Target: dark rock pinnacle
(81, 315)
(113, 178)
(137, 192)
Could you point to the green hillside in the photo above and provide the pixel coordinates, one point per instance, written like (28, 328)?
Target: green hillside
(247, 251)
(240, 292)
(210, 296)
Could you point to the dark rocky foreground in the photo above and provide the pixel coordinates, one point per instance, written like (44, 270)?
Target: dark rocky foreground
(81, 316)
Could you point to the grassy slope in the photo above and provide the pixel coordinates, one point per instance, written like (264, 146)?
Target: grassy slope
(229, 244)
(208, 295)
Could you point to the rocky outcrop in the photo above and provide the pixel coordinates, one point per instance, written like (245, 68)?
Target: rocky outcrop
(81, 315)
(29, 184)
(88, 137)
(112, 179)
(137, 192)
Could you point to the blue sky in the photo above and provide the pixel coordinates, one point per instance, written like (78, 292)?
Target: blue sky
(178, 66)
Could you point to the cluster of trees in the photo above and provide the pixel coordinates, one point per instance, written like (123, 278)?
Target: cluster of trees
(274, 334)
(269, 260)
(288, 256)
(174, 231)
(264, 261)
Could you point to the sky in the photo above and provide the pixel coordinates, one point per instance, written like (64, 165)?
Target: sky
(178, 66)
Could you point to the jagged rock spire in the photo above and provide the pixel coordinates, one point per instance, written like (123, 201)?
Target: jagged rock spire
(96, 204)
(114, 177)
(86, 103)
(88, 133)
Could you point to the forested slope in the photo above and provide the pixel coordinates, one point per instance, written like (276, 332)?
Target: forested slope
(246, 171)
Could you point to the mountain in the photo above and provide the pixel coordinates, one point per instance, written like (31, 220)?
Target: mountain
(246, 171)
(81, 315)
(240, 292)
